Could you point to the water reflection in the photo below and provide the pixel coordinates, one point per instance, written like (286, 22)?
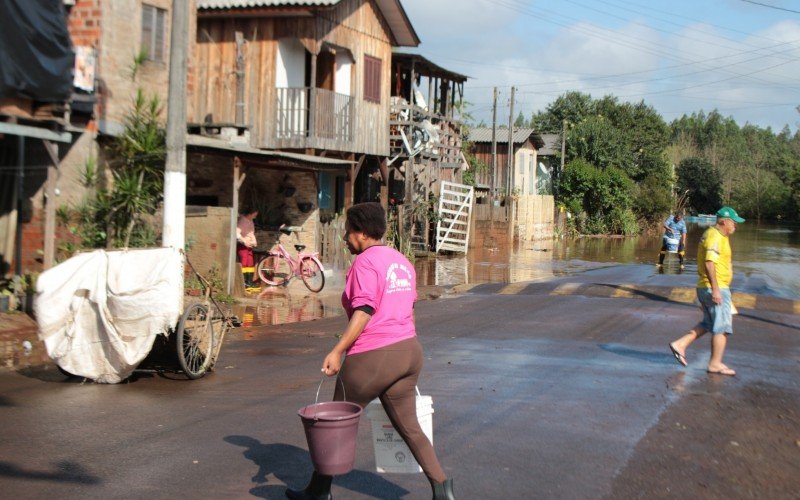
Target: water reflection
(767, 255)
(282, 305)
(765, 260)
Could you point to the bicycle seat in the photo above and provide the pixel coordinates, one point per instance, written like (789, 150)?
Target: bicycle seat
(299, 248)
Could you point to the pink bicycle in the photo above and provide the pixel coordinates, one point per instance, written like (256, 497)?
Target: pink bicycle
(278, 266)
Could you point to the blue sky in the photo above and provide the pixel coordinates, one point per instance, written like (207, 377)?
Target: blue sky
(680, 56)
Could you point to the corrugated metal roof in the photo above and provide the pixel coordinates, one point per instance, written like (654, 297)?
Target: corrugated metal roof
(319, 161)
(484, 134)
(425, 67)
(399, 23)
(552, 145)
(392, 11)
(246, 4)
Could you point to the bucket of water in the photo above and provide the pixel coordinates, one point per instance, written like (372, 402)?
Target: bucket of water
(331, 429)
(672, 244)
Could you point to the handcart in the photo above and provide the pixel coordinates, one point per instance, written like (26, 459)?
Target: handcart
(99, 313)
(201, 331)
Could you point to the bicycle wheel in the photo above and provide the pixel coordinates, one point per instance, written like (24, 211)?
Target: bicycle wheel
(274, 270)
(195, 340)
(312, 274)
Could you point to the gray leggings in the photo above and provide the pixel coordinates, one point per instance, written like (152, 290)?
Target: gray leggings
(390, 373)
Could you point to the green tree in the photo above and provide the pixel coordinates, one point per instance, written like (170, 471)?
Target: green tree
(571, 107)
(600, 199)
(597, 141)
(762, 195)
(520, 122)
(119, 214)
(653, 198)
(700, 179)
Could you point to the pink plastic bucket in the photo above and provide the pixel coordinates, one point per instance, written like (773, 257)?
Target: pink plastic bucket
(331, 430)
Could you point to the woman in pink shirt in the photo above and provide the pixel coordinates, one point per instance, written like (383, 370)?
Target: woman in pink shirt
(383, 355)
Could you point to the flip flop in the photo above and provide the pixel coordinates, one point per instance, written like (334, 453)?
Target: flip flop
(680, 358)
(725, 371)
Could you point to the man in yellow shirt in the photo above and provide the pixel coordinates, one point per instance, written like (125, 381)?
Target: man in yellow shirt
(715, 273)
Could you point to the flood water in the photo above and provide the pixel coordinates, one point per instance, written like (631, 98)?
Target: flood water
(768, 253)
(766, 260)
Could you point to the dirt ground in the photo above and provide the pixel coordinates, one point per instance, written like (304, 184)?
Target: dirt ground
(743, 445)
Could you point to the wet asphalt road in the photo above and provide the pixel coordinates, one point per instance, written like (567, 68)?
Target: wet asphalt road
(536, 395)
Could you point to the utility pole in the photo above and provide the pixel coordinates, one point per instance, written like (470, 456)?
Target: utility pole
(175, 167)
(510, 157)
(563, 152)
(563, 142)
(494, 147)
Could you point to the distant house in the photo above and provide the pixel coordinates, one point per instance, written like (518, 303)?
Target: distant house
(548, 158)
(501, 182)
(526, 188)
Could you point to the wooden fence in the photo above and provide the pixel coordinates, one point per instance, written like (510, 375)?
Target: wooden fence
(489, 212)
(533, 217)
(332, 250)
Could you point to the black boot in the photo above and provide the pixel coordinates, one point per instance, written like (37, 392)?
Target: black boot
(319, 488)
(248, 281)
(443, 491)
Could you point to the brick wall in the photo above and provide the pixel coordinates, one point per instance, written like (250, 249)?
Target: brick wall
(207, 236)
(33, 242)
(83, 22)
(485, 234)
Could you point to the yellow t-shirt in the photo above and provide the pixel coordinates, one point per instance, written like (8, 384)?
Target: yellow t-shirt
(714, 247)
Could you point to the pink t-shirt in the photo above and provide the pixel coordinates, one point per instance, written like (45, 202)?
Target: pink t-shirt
(382, 278)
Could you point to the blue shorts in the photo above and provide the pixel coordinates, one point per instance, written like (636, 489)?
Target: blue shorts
(717, 318)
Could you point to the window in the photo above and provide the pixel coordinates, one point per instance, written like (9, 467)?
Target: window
(531, 176)
(153, 27)
(372, 79)
(325, 196)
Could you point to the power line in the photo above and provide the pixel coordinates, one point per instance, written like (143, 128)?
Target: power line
(679, 35)
(650, 80)
(617, 75)
(771, 6)
(693, 19)
(515, 6)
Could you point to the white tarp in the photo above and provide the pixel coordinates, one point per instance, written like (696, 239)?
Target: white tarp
(99, 312)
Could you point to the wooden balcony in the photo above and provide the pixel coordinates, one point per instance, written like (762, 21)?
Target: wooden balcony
(446, 151)
(312, 118)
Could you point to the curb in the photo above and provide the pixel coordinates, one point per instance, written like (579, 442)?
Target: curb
(681, 295)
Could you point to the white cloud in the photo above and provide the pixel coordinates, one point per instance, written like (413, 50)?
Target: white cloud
(498, 46)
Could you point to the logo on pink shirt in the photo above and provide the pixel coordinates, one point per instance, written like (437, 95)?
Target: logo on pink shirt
(399, 279)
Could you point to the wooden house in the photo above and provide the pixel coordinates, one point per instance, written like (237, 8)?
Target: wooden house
(298, 93)
(425, 137)
(521, 185)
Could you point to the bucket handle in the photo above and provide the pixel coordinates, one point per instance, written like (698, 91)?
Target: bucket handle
(316, 399)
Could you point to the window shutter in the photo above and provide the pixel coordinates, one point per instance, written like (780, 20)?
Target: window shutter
(147, 30)
(372, 79)
(158, 50)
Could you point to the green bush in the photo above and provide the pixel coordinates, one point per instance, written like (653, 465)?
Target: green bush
(653, 200)
(623, 221)
(600, 200)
